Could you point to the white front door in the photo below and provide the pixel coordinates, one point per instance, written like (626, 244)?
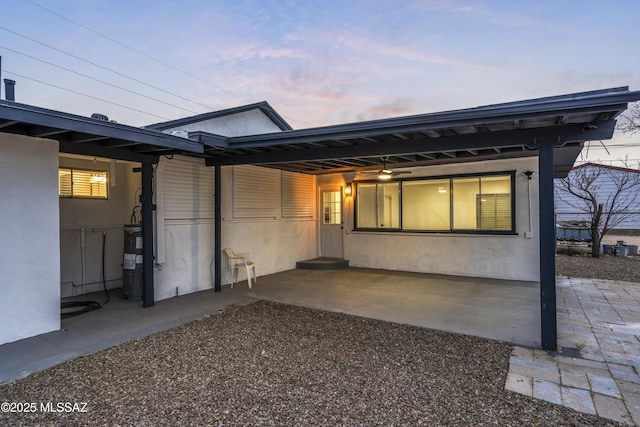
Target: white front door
(331, 222)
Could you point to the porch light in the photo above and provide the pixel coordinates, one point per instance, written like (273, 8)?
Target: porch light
(347, 189)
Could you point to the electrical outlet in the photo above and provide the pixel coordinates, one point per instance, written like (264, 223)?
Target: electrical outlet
(528, 234)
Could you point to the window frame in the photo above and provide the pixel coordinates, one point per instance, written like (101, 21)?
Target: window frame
(90, 171)
(512, 231)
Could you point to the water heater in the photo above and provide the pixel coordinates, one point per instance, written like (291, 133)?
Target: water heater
(132, 276)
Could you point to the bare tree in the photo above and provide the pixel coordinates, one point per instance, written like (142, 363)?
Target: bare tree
(630, 122)
(607, 194)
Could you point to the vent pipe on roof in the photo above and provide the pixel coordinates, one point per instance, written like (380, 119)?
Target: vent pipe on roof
(9, 89)
(99, 116)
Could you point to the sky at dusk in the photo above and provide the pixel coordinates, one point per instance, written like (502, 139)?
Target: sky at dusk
(316, 62)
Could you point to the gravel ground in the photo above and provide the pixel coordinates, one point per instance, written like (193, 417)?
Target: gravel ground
(274, 364)
(606, 267)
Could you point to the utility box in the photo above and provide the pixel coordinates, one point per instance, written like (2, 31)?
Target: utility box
(132, 277)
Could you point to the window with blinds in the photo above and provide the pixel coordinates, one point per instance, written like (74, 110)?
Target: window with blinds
(255, 192)
(494, 211)
(81, 183)
(298, 195)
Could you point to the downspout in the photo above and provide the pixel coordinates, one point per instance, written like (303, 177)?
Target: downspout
(217, 212)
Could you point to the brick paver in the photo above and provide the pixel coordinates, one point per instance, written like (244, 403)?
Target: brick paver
(597, 367)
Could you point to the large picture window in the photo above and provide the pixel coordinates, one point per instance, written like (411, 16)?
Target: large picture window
(479, 203)
(79, 183)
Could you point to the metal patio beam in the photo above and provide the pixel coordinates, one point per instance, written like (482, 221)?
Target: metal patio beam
(498, 139)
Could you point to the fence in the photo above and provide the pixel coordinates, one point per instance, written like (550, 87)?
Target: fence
(626, 229)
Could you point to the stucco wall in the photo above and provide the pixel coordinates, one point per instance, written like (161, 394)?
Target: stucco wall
(275, 243)
(82, 222)
(29, 255)
(512, 257)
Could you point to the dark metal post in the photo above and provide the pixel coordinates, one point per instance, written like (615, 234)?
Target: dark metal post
(217, 211)
(147, 234)
(547, 248)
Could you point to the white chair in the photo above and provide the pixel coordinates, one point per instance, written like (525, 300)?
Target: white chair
(235, 261)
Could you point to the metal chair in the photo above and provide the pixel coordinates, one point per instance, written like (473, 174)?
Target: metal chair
(235, 261)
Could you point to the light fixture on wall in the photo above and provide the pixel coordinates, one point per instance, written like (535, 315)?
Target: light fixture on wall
(347, 189)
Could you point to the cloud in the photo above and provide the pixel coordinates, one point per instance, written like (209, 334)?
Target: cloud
(391, 108)
(280, 53)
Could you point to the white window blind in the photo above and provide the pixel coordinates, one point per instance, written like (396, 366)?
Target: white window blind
(494, 211)
(188, 189)
(255, 192)
(298, 195)
(79, 183)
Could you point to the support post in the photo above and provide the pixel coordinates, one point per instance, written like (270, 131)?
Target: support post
(148, 297)
(217, 212)
(547, 248)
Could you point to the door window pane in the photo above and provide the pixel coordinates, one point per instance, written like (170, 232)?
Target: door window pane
(331, 207)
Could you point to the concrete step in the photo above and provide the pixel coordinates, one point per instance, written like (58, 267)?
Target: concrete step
(323, 263)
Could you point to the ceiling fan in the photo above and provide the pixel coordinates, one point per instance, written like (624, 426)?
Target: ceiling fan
(385, 173)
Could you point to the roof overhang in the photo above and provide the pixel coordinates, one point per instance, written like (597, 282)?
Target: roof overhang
(498, 131)
(94, 137)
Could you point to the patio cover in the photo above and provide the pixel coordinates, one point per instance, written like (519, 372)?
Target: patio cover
(552, 128)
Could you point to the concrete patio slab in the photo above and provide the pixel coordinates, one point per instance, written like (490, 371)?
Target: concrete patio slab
(501, 310)
(497, 309)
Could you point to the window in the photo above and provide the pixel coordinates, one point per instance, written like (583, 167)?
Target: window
(461, 203)
(426, 205)
(378, 205)
(79, 183)
(482, 203)
(331, 207)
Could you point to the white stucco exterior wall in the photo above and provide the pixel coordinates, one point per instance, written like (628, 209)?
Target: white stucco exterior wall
(513, 257)
(185, 246)
(84, 220)
(274, 242)
(29, 247)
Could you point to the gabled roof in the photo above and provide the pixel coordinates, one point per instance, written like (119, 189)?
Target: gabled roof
(262, 106)
(599, 165)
